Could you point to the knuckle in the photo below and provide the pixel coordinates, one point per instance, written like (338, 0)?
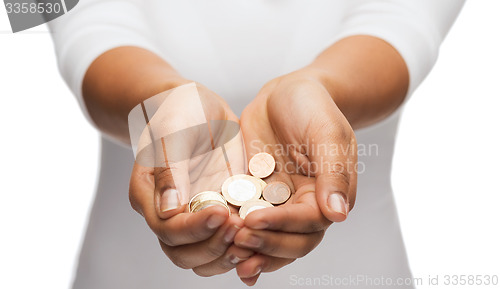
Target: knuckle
(177, 259)
(271, 248)
(165, 238)
(192, 229)
(339, 132)
(197, 234)
(174, 255)
(181, 263)
(339, 173)
(226, 265)
(317, 221)
(215, 250)
(331, 129)
(310, 243)
(315, 226)
(163, 178)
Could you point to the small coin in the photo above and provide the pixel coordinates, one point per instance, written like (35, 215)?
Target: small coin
(261, 165)
(206, 199)
(276, 193)
(253, 205)
(241, 188)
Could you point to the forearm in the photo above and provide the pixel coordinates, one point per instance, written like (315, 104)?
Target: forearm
(120, 79)
(367, 78)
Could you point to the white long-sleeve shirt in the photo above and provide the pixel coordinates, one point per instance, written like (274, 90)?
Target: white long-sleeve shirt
(234, 47)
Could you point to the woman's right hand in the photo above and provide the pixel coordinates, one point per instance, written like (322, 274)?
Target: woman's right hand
(180, 154)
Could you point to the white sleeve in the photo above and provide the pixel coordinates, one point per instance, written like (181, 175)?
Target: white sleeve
(92, 28)
(415, 28)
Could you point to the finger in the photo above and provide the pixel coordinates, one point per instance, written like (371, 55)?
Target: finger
(179, 229)
(259, 263)
(250, 281)
(187, 228)
(167, 142)
(195, 254)
(233, 256)
(301, 216)
(336, 175)
(170, 180)
(172, 175)
(336, 188)
(278, 244)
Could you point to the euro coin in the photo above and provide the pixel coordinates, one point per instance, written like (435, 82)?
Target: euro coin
(253, 205)
(276, 193)
(261, 165)
(241, 188)
(206, 199)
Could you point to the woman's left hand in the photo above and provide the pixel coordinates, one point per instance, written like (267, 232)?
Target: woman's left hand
(295, 119)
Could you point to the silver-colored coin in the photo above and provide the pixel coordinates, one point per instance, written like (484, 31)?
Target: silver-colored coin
(241, 188)
(253, 205)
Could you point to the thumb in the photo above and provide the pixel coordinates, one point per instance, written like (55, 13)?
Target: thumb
(171, 189)
(171, 174)
(158, 185)
(336, 174)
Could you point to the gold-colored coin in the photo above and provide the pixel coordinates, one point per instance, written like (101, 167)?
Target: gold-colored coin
(276, 193)
(206, 199)
(253, 205)
(261, 165)
(241, 188)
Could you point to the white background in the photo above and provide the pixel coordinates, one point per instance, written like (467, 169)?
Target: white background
(445, 176)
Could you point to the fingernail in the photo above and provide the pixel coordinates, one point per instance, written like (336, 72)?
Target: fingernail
(252, 242)
(337, 203)
(259, 269)
(234, 260)
(169, 200)
(230, 233)
(215, 221)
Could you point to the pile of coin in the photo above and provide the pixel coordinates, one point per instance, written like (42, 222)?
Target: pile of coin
(206, 199)
(248, 193)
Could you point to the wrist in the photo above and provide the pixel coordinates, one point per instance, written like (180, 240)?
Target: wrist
(319, 77)
(338, 89)
(324, 78)
(151, 88)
